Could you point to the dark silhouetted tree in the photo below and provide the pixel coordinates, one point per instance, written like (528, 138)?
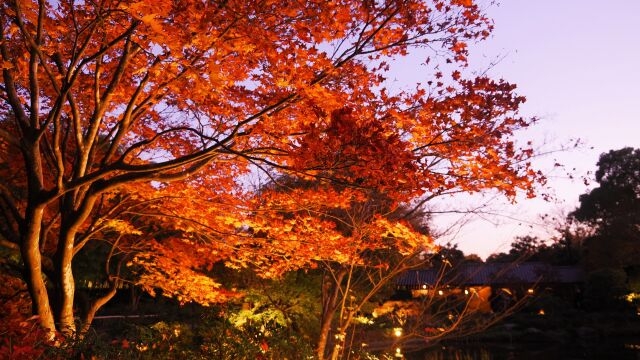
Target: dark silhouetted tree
(613, 210)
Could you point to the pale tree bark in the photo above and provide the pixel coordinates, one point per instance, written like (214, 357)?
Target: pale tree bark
(33, 271)
(330, 294)
(95, 306)
(30, 234)
(65, 282)
(101, 301)
(72, 217)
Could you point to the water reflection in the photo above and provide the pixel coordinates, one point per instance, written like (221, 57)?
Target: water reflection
(629, 350)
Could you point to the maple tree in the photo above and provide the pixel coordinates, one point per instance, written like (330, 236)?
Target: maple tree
(173, 103)
(357, 238)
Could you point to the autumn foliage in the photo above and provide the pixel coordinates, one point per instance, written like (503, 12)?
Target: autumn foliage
(140, 125)
(22, 338)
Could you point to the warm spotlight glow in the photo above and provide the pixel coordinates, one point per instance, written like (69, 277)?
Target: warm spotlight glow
(530, 291)
(541, 312)
(424, 286)
(397, 332)
(399, 353)
(440, 292)
(466, 292)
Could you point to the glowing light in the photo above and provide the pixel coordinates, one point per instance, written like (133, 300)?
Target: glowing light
(424, 286)
(397, 332)
(530, 291)
(440, 292)
(541, 312)
(466, 292)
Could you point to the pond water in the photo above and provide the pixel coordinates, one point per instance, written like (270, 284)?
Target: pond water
(615, 350)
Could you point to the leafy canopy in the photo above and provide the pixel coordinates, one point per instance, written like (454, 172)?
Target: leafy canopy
(139, 123)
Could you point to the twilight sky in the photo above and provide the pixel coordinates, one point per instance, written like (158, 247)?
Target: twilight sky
(578, 64)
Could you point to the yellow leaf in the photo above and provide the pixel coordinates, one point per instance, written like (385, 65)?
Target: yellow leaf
(152, 22)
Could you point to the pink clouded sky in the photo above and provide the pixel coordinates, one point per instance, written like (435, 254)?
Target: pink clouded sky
(578, 64)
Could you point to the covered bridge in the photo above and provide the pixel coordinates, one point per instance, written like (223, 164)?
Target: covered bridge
(488, 281)
(490, 274)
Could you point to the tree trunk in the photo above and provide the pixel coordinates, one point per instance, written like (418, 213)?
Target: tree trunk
(72, 218)
(30, 252)
(30, 233)
(66, 283)
(135, 299)
(335, 353)
(325, 328)
(330, 291)
(95, 306)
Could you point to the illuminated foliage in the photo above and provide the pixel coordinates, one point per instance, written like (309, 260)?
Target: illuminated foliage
(115, 111)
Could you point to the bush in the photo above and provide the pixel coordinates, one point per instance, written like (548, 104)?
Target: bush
(605, 289)
(211, 337)
(20, 335)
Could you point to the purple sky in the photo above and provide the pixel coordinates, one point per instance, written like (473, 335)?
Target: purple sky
(578, 64)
